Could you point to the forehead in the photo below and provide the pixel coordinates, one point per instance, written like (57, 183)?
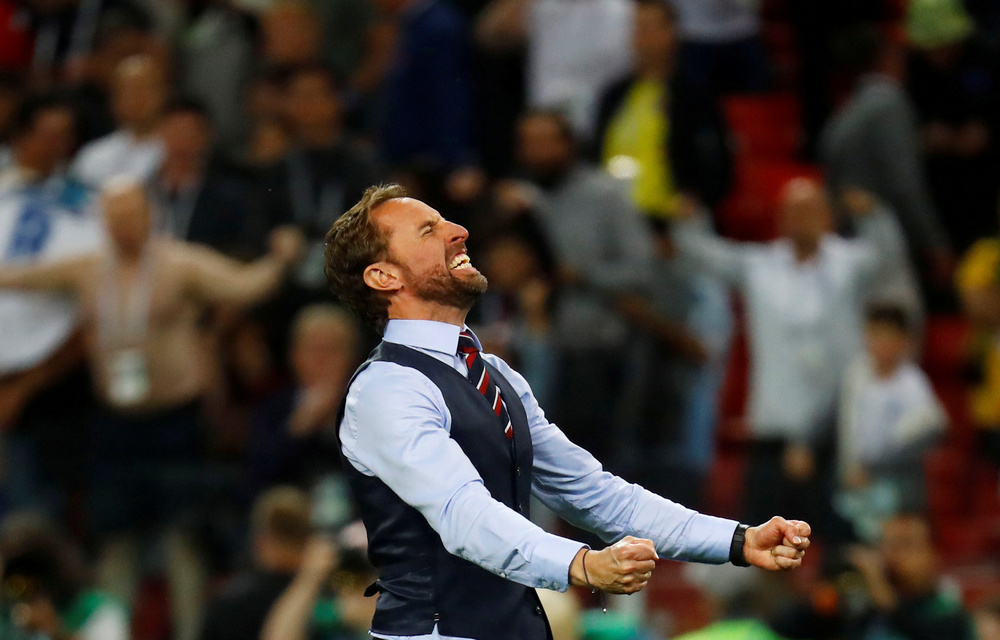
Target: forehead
(404, 213)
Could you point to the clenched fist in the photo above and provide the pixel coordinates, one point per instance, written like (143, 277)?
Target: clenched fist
(624, 567)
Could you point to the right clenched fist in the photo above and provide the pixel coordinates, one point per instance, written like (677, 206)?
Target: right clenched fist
(624, 567)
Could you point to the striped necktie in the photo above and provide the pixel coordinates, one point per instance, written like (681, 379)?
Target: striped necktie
(480, 378)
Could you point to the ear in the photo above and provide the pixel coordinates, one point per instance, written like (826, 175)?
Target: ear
(383, 276)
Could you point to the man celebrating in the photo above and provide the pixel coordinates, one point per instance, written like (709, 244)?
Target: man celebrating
(443, 465)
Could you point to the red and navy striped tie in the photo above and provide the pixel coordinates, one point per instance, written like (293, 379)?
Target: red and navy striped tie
(480, 377)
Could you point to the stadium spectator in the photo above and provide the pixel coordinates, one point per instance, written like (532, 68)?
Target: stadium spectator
(306, 609)
(575, 49)
(987, 619)
(904, 583)
(194, 199)
(677, 390)
(11, 94)
(291, 34)
(428, 118)
(44, 389)
(215, 59)
(888, 419)
(280, 528)
(293, 430)
(139, 92)
(804, 296)
(47, 592)
(955, 86)
(325, 170)
(721, 46)
(892, 590)
(978, 284)
(515, 316)
(141, 300)
(873, 143)
(657, 128)
(603, 251)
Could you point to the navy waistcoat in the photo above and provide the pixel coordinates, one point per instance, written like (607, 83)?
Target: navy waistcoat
(420, 583)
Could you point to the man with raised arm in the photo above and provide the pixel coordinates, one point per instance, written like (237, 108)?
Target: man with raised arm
(141, 299)
(444, 445)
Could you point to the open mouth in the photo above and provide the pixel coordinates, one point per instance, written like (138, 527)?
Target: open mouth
(459, 262)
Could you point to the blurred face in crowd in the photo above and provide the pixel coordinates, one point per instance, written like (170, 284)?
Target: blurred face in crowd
(126, 217)
(510, 263)
(805, 212)
(427, 259)
(291, 33)
(138, 93)
(908, 552)
(186, 136)
(313, 103)
(323, 348)
(887, 344)
(49, 142)
(654, 38)
(543, 147)
(988, 623)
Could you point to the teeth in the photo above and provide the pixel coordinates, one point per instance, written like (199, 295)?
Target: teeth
(461, 261)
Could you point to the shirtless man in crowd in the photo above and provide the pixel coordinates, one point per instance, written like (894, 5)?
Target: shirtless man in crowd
(141, 300)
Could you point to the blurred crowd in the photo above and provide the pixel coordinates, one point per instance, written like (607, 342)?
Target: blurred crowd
(744, 251)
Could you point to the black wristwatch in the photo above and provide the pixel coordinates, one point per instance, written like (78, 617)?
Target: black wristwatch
(736, 556)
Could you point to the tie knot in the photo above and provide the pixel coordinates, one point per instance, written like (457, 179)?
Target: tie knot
(466, 343)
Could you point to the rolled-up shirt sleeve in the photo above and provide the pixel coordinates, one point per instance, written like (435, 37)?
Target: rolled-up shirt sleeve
(571, 482)
(396, 427)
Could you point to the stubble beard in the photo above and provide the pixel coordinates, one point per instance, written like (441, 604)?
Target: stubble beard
(451, 291)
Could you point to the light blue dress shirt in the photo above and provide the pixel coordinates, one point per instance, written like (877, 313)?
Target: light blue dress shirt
(396, 426)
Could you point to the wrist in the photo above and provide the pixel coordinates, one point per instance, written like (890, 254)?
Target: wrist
(578, 573)
(738, 546)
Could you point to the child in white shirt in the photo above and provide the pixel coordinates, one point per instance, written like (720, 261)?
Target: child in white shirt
(889, 418)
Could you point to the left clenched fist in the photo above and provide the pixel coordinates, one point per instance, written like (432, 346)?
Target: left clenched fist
(777, 545)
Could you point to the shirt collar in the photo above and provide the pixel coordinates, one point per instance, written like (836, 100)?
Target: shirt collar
(426, 334)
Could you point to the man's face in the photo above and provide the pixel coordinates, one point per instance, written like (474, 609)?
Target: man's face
(50, 141)
(430, 254)
(653, 37)
(542, 148)
(139, 92)
(185, 135)
(312, 101)
(805, 213)
(908, 552)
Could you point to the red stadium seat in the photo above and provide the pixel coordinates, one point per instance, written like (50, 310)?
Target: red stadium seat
(764, 126)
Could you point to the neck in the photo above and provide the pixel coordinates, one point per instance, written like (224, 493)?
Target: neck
(128, 257)
(806, 249)
(885, 370)
(422, 310)
(31, 169)
(655, 69)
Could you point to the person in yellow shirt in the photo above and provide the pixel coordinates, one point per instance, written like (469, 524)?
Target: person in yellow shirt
(656, 130)
(978, 283)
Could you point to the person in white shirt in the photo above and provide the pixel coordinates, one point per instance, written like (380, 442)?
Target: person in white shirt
(804, 295)
(889, 418)
(44, 390)
(575, 49)
(138, 95)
